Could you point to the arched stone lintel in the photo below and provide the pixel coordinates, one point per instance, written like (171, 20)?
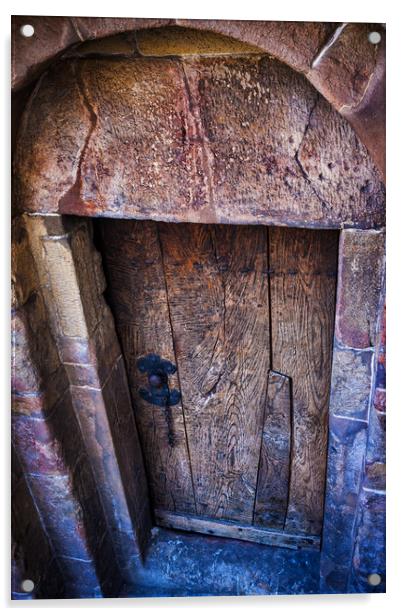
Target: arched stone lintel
(223, 139)
(337, 59)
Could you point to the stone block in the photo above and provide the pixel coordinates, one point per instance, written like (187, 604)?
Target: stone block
(360, 277)
(38, 447)
(25, 376)
(375, 475)
(30, 544)
(39, 403)
(61, 514)
(294, 43)
(83, 374)
(128, 449)
(89, 361)
(369, 553)
(346, 450)
(206, 140)
(117, 479)
(335, 178)
(74, 350)
(80, 579)
(380, 399)
(118, 45)
(376, 444)
(179, 41)
(23, 275)
(345, 69)
(351, 382)
(351, 75)
(62, 279)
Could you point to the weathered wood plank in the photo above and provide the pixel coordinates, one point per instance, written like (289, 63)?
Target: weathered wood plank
(273, 474)
(235, 531)
(218, 297)
(303, 280)
(137, 294)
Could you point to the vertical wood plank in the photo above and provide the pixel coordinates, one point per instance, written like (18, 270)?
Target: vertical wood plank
(273, 474)
(218, 297)
(136, 291)
(303, 280)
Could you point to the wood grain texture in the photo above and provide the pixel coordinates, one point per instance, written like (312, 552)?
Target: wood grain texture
(250, 442)
(137, 294)
(235, 531)
(273, 475)
(218, 298)
(303, 278)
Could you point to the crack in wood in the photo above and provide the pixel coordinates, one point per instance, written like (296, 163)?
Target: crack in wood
(175, 356)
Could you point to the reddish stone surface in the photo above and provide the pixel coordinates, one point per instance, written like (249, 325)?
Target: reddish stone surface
(42, 452)
(346, 69)
(75, 350)
(343, 72)
(26, 378)
(49, 443)
(360, 274)
(47, 462)
(53, 35)
(368, 116)
(210, 140)
(380, 400)
(295, 43)
(32, 553)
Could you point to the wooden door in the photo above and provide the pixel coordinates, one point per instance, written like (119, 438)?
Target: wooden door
(246, 315)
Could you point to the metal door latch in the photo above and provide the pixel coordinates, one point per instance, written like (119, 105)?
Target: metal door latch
(159, 393)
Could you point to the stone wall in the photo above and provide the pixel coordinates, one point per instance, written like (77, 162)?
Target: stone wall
(81, 462)
(354, 423)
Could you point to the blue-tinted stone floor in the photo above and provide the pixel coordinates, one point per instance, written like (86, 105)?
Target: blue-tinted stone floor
(187, 564)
